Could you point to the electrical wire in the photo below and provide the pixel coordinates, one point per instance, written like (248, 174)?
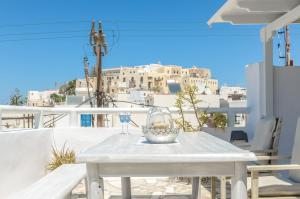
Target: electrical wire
(43, 23)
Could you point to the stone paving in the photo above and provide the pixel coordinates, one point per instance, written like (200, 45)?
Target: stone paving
(149, 188)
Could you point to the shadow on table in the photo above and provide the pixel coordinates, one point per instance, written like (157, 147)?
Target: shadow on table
(155, 197)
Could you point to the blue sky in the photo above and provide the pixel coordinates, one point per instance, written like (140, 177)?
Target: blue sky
(43, 42)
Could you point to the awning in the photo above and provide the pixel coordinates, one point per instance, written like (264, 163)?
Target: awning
(254, 11)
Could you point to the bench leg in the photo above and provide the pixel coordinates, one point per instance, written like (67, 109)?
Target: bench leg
(223, 187)
(95, 184)
(213, 182)
(126, 188)
(196, 188)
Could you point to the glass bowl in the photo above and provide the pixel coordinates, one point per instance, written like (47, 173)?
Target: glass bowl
(160, 128)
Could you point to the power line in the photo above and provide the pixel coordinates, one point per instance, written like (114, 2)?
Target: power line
(42, 33)
(41, 38)
(105, 21)
(107, 30)
(42, 23)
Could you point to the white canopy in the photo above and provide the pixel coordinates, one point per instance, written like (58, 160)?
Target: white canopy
(253, 11)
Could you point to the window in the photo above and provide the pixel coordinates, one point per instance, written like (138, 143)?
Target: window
(124, 79)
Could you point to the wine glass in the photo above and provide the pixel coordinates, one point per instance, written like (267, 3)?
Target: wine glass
(127, 120)
(122, 117)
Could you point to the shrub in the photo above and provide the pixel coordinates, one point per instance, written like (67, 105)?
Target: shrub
(60, 157)
(219, 120)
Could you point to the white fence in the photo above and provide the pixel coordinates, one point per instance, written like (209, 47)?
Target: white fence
(73, 114)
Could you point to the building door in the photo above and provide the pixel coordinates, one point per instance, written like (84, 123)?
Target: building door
(86, 120)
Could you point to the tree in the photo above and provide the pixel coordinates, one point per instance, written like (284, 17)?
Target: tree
(57, 98)
(156, 89)
(68, 88)
(17, 99)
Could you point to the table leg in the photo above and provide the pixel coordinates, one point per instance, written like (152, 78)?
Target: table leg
(95, 184)
(196, 188)
(213, 187)
(239, 181)
(126, 188)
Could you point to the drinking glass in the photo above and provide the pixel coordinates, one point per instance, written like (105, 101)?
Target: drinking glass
(122, 117)
(127, 119)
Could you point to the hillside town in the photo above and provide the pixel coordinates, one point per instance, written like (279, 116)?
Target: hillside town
(141, 84)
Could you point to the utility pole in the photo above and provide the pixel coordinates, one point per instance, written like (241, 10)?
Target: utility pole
(97, 40)
(288, 60)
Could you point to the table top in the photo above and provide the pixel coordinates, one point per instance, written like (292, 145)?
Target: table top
(190, 147)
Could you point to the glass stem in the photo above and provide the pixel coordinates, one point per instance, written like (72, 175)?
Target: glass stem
(123, 128)
(127, 129)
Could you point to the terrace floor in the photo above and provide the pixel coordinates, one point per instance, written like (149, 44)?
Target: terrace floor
(150, 188)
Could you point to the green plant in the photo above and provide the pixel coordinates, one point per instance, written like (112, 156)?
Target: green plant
(204, 118)
(68, 88)
(181, 122)
(17, 98)
(56, 98)
(60, 157)
(219, 120)
(189, 97)
(156, 89)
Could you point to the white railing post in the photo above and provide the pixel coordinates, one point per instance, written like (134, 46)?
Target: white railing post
(73, 122)
(113, 120)
(39, 120)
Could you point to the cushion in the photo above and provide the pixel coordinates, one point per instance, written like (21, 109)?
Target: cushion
(295, 175)
(263, 134)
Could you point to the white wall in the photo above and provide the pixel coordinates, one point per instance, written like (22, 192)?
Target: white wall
(212, 101)
(23, 158)
(287, 104)
(253, 82)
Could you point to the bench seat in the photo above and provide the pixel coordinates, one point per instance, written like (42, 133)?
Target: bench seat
(56, 185)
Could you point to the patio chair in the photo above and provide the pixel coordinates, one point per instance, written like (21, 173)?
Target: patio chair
(266, 136)
(278, 186)
(264, 144)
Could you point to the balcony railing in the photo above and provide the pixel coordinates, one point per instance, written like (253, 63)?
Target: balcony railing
(73, 114)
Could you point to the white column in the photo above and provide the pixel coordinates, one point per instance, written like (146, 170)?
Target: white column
(239, 181)
(267, 77)
(39, 120)
(73, 122)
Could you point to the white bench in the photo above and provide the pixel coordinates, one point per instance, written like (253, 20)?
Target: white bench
(56, 185)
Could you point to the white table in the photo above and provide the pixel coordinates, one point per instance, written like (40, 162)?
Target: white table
(195, 154)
